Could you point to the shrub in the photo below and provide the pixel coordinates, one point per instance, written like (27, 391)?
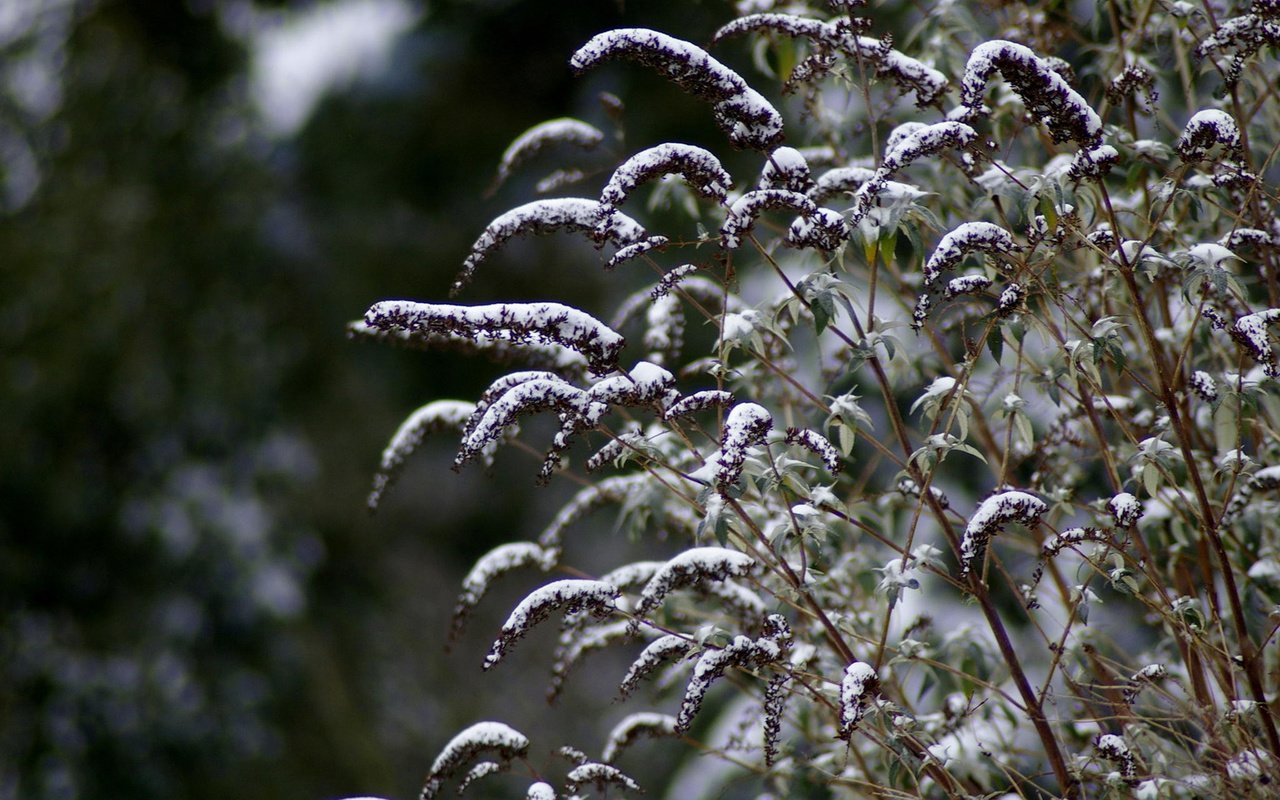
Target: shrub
(974, 470)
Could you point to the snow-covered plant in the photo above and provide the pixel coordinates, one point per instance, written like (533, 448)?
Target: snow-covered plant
(952, 382)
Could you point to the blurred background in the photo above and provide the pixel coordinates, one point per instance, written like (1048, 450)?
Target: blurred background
(195, 197)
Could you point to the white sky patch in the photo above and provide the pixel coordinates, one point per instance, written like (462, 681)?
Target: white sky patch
(299, 58)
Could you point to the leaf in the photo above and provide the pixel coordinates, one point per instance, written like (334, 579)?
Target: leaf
(995, 342)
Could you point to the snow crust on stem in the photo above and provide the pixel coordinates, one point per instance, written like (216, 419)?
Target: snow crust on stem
(749, 120)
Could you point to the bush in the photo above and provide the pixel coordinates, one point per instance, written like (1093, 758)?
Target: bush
(962, 407)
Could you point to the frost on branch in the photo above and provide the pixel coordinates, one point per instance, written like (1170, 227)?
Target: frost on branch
(497, 737)
(440, 415)
(699, 168)
(1245, 35)
(1206, 129)
(547, 216)
(746, 426)
(1066, 114)
(602, 776)
(632, 727)
(741, 112)
(992, 515)
(1251, 332)
(817, 444)
(691, 567)
(492, 565)
(539, 323)
(563, 131)
(568, 596)
(655, 654)
(858, 688)
(970, 237)
(744, 211)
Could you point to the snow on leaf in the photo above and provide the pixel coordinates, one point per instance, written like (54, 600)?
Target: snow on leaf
(698, 166)
(857, 688)
(745, 427)
(990, 518)
(654, 655)
(552, 323)
(1066, 115)
(693, 566)
(742, 215)
(1206, 129)
(546, 216)
(563, 131)
(498, 346)
(481, 770)
(1251, 332)
(540, 791)
(600, 775)
(497, 562)
(498, 737)
(632, 727)
(698, 401)
(741, 652)
(748, 119)
(432, 418)
(577, 409)
(1245, 35)
(568, 595)
(969, 237)
(575, 644)
(817, 444)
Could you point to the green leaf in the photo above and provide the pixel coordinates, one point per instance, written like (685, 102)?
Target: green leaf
(995, 342)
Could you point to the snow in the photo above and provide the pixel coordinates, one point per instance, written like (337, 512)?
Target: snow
(1251, 331)
(482, 736)
(565, 130)
(654, 654)
(786, 169)
(817, 444)
(631, 727)
(546, 216)
(433, 417)
(744, 114)
(1206, 128)
(541, 323)
(497, 562)
(698, 166)
(610, 490)
(1114, 748)
(536, 395)
(633, 251)
(540, 791)
(983, 237)
(598, 774)
(990, 518)
(742, 651)
(745, 426)
(1066, 114)
(966, 284)
(693, 566)
(744, 211)
(824, 229)
(568, 595)
(859, 681)
(838, 181)
(1125, 509)
(698, 401)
